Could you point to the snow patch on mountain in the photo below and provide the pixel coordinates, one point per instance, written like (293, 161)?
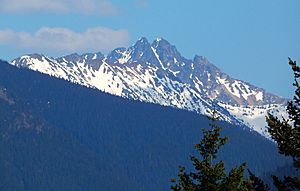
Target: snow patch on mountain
(255, 116)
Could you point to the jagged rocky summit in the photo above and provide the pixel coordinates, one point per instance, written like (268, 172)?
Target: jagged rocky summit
(157, 73)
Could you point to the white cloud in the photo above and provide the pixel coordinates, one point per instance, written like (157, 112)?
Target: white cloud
(88, 7)
(59, 41)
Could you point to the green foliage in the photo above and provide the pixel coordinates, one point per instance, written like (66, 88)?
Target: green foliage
(257, 183)
(210, 174)
(286, 133)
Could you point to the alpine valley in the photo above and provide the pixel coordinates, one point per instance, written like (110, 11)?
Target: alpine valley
(157, 73)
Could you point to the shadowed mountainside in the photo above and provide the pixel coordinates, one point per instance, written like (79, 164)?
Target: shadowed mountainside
(59, 135)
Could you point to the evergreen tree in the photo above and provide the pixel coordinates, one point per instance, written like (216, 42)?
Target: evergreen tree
(209, 174)
(286, 133)
(257, 183)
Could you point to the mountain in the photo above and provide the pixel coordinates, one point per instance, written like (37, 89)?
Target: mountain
(36, 155)
(57, 135)
(158, 73)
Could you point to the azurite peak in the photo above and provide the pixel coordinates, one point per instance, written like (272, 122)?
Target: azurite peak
(141, 52)
(158, 73)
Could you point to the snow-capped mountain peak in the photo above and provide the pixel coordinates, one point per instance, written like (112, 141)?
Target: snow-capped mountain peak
(158, 73)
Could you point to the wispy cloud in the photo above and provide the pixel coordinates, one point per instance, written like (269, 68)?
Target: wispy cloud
(87, 7)
(58, 41)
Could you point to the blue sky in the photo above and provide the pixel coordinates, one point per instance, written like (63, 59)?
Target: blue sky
(248, 39)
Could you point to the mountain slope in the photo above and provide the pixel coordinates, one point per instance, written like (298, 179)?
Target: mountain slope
(38, 156)
(157, 73)
(109, 137)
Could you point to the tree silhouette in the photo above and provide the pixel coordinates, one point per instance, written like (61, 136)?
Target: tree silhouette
(209, 174)
(286, 133)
